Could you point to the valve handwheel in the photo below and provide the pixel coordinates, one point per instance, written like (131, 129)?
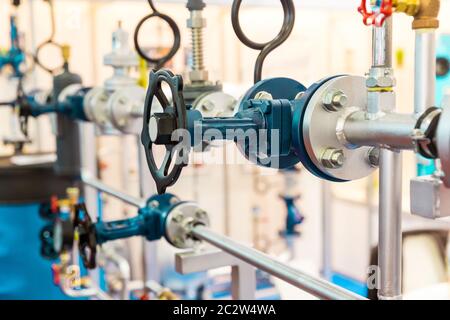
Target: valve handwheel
(87, 237)
(376, 17)
(167, 128)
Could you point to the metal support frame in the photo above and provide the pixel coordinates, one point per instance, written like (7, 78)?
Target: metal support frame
(243, 275)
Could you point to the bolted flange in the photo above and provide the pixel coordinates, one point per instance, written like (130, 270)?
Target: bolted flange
(180, 221)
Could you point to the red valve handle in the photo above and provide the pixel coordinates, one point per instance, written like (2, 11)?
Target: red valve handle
(376, 18)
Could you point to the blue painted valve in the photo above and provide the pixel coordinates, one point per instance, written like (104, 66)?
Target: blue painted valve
(14, 56)
(163, 216)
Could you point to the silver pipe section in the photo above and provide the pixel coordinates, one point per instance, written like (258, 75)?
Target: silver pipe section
(327, 222)
(393, 130)
(390, 189)
(89, 180)
(425, 70)
(315, 286)
(382, 45)
(390, 226)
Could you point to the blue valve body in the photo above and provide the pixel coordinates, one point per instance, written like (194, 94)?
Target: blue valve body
(72, 107)
(14, 56)
(149, 223)
(270, 121)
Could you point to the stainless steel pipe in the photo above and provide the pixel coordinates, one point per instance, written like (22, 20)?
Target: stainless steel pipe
(315, 286)
(392, 130)
(390, 226)
(425, 70)
(390, 189)
(87, 179)
(382, 45)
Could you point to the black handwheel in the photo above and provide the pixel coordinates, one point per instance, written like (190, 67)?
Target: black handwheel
(167, 128)
(87, 237)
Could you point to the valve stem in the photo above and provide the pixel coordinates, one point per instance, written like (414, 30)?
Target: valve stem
(196, 23)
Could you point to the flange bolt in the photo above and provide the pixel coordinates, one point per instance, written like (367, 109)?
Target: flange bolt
(333, 158)
(335, 100)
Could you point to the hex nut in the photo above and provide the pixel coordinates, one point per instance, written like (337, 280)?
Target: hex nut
(333, 158)
(335, 100)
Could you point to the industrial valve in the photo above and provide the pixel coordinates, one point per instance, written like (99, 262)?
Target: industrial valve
(163, 216)
(117, 106)
(14, 56)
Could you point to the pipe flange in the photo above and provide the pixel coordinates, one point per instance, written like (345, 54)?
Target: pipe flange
(180, 221)
(125, 109)
(426, 126)
(443, 143)
(215, 104)
(329, 155)
(94, 106)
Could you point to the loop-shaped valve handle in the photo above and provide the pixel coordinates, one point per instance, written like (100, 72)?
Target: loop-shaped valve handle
(87, 237)
(164, 128)
(49, 42)
(376, 17)
(161, 61)
(38, 61)
(267, 47)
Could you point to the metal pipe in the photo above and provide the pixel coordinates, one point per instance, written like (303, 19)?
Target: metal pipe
(392, 130)
(425, 70)
(390, 226)
(382, 45)
(87, 179)
(390, 188)
(327, 242)
(315, 286)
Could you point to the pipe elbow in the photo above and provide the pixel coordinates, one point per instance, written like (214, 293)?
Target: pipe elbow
(427, 15)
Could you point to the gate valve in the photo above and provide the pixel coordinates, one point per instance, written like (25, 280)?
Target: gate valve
(379, 11)
(261, 128)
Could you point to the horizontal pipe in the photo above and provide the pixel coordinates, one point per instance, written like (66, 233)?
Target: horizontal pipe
(392, 130)
(97, 184)
(315, 286)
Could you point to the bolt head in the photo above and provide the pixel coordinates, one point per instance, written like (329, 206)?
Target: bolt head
(154, 204)
(208, 106)
(333, 158)
(335, 100)
(373, 157)
(299, 95)
(263, 95)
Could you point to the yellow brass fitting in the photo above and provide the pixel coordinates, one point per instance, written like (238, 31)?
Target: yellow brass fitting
(65, 52)
(427, 16)
(166, 294)
(409, 7)
(73, 194)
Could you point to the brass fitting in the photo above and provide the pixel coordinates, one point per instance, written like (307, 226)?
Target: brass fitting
(65, 52)
(409, 7)
(427, 16)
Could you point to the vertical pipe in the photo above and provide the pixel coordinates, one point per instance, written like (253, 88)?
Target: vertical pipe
(425, 70)
(382, 45)
(390, 189)
(390, 226)
(424, 84)
(326, 230)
